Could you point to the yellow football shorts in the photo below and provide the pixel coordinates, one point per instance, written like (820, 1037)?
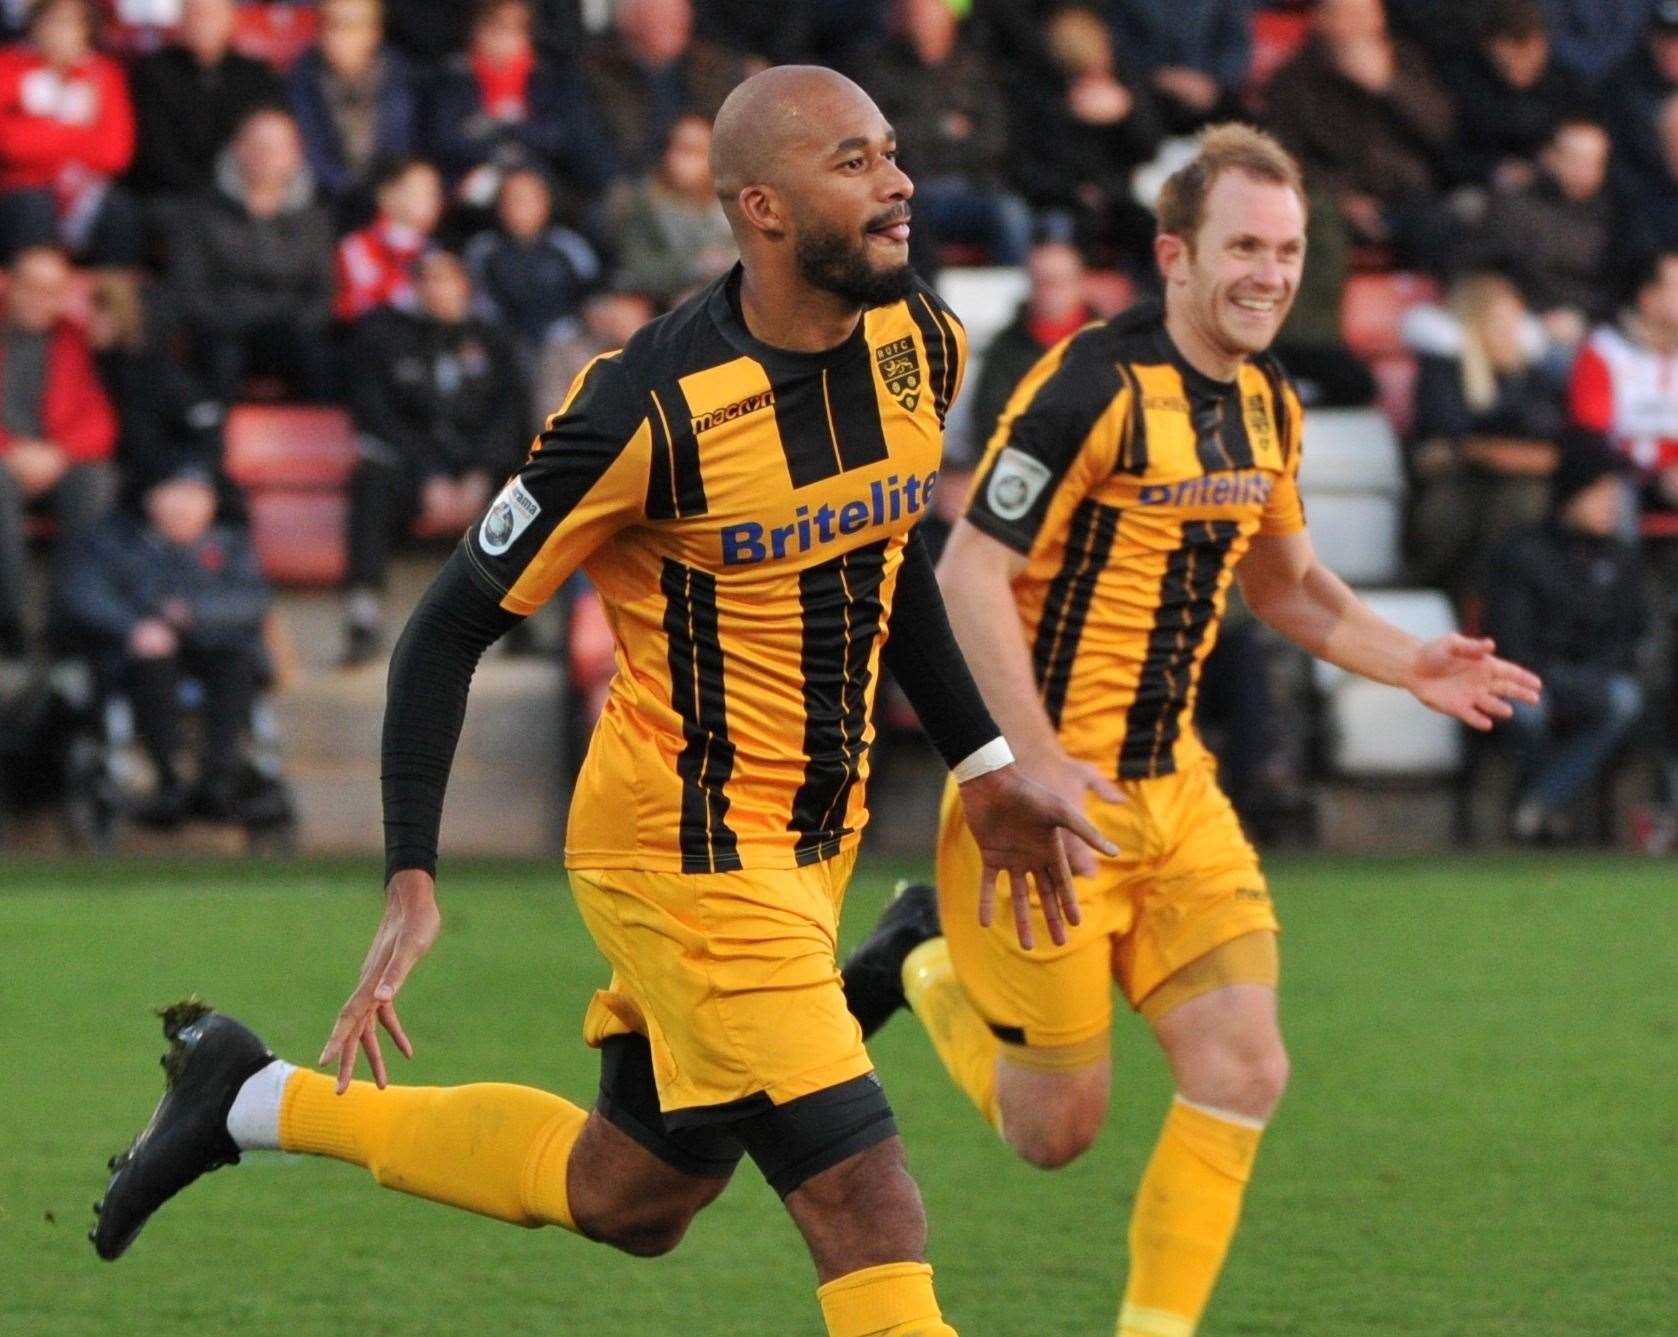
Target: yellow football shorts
(732, 977)
(1184, 891)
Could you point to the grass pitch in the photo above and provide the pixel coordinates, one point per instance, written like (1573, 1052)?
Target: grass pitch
(1480, 1137)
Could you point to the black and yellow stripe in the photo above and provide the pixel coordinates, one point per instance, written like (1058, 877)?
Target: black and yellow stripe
(829, 423)
(939, 340)
(697, 692)
(843, 614)
(1186, 606)
(1054, 650)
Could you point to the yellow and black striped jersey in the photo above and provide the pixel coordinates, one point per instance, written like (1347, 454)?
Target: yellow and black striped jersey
(742, 510)
(1133, 484)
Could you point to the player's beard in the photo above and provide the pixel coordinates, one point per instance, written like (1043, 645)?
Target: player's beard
(837, 262)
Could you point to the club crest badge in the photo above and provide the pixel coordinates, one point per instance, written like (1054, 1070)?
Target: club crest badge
(900, 368)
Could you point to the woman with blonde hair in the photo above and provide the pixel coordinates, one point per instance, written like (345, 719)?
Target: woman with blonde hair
(1487, 418)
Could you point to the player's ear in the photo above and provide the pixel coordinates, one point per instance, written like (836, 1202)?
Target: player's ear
(764, 210)
(1171, 253)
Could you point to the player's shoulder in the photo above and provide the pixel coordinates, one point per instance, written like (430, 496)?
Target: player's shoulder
(923, 292)
(1271, 368)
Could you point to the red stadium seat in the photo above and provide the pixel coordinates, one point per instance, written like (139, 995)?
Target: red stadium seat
(289, 446)
(1276, 37)
(1395, 380)
(299, 536)
(277, 34)
(294, 460)
(1373, 307)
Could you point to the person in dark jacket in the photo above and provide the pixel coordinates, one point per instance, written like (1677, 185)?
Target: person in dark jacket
(190, 99)
(162, 592)
(1555, 236)
(1079, 128)
(252, 267)
(440, 412)
(531, 276)
(937, 88)
(1566, 597)
(167, 422)
(1366, 114)
(1195, 53)
(648, 71)
(356, 102)
(1634, 92)
(502, 104)
(1483, 440)
(1053, 309)
(1511, 94)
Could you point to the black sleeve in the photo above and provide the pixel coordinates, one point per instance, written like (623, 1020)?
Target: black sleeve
(430, 673)
(923, 656)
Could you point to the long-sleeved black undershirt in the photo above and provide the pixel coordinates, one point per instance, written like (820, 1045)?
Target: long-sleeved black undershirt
(458, 619)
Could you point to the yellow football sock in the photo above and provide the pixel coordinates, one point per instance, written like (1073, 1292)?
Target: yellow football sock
(1186, 1209)
(491, 1148)
(965, 1044)
(893, 1300)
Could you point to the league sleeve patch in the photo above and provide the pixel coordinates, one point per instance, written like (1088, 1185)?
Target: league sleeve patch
(1015, 483)
(509, 516)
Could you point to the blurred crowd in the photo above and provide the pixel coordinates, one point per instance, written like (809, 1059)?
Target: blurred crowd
(433, 214)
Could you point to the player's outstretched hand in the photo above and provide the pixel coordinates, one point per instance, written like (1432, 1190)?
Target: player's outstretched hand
(1460, 676)
(406, 931)
(1017, 825)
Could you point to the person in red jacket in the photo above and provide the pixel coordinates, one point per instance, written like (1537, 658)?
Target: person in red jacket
(375, 266)
(57, 429)
(66, 133)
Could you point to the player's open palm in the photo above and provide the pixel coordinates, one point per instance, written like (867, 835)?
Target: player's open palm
(405, 933)
(1460, 676)
(1017, 825)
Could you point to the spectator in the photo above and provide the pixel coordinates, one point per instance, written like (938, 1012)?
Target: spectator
(440, 411)
(1566, 599)
(1053, 309)
(1648, 204)
(937, 89)
(1554, 237)
(778, 34)
(1624, 378)
(1486, 425)
(1365, 112)
(376, 265)
(671, 233)
(66, 134)
(252, 267)
(429, 32)
(531, 275)
(608, 320)
(1510, 95)
(57, 430)
(648, 71)
(163, 593)
(1324, 371)
(355, 101)
(1592, 37)
(1196, 55)
(1080, 129)
(1635, 92)
(500, 106)
(191, 97)
(166, 421)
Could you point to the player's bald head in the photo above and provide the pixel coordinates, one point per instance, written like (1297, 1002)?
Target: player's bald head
(777, 116)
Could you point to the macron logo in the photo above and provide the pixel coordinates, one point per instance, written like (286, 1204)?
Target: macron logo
(887, 502)
(729, 412)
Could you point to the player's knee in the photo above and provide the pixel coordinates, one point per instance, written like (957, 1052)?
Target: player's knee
(1053, 1133)
(1251, 1081)
(646, 1231)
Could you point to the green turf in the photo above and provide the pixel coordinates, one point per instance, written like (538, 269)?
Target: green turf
(1480, 1137)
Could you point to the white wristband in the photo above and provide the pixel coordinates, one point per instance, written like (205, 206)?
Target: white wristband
(993, 756)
